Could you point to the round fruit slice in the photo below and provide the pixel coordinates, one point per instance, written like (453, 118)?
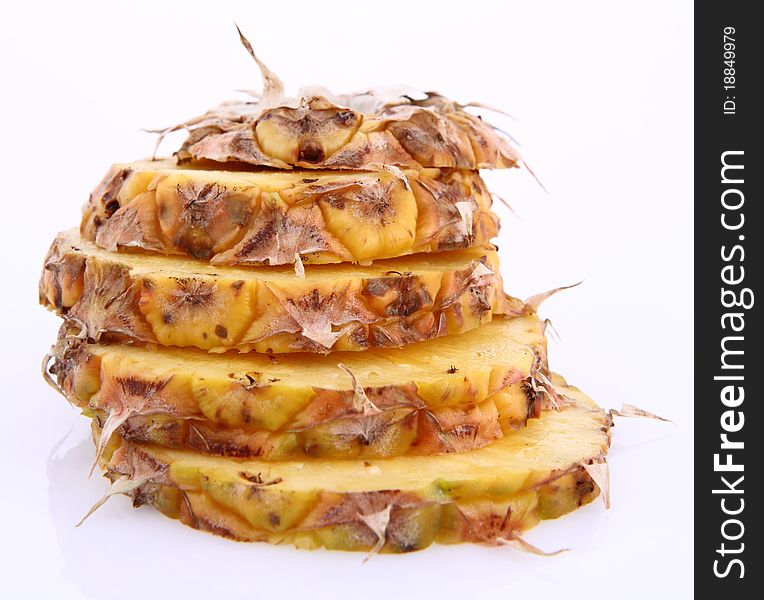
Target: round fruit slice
(445, 395)
(489, 495)
(389, 432)
(352, 131)
(181, 302)
(266, 217)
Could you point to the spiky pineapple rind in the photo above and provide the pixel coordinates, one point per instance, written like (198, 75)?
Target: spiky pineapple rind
(531, 476)
(178, 303)
(234, 218)
(250, 406)
(320, 133)
(392, 432)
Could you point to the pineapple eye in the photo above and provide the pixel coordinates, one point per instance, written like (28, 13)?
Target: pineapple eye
(346, 118)
(310, 152)
(111, 207)
(308, 134)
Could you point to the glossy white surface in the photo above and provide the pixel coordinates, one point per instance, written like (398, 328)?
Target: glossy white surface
(603, 93)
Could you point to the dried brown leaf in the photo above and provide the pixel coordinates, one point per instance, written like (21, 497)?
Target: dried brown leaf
(518, 543)
(316, 315)
(361, 402)
(533, 302)
(121, 485)
(507, 204)
(378, 523)
(114, 421)
(489, 107)
(465, 212)
(299, 268)
(49, 379)
(124, 398)
(631, 411)
(547, 324)
(397, 172)
(278, 236)
(479, 271)
(600, 474)
(533, 174)
(541, 384)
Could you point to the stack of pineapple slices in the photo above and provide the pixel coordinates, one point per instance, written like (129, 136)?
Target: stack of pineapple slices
(297, 331)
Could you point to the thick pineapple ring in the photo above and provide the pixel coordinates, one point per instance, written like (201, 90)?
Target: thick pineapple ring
(391, 432)
(240, 217)
(443, 395)
(180, 302)
(350, 131)
(488, 495)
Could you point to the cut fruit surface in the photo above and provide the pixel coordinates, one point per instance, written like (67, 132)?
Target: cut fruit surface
(184, 302)
(267, 217)
(350, 131)
(442, 395)
(396, 504)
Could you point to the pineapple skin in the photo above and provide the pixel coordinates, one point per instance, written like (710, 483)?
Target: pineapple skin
(258, 414)
(318, 134)
(217, 312)
(264, 218)
(393, 432)
(414, 525)
(243, 505)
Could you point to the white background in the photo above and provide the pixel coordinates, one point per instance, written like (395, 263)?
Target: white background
(602, 93)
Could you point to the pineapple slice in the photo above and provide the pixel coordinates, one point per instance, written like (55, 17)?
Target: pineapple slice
(352, 131)
(489, 495)
(442, 395)
(392, 432)
(180, 302)
(239, 217)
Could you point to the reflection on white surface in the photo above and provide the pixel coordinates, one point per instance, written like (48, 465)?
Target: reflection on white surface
(125, 553)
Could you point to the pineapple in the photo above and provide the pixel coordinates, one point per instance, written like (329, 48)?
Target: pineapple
(175, 301)
(442, 395)
(488, 495)
(350, 131)
(240, 217)
(392, 432)
(297, 331)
